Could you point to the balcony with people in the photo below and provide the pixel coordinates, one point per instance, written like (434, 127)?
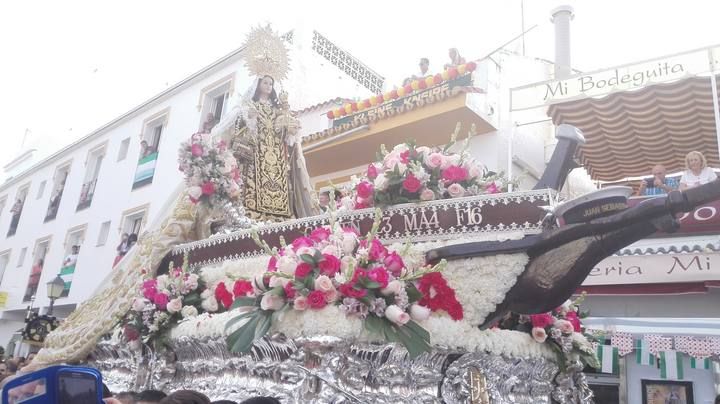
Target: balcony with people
(16, 212)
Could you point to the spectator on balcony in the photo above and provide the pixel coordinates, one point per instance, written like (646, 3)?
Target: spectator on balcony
(16, 210)
(455, 58)
(121, 249)
(697, 172)
(210, 122)
(424, 71)
(132, 239)
(659, 184)
(34, 280)
(324, 200)
(145, 149)
(55, 200)
(71, 259)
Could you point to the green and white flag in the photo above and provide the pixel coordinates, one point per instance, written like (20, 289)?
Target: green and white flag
(642, 353)
(609, 359)
(671, 365)
(696, 363)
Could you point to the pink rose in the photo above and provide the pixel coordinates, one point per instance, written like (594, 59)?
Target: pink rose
(492, 188)
(272, 264)
(372, 171)
(456, 190)
(475, 171)
(364, 189)
(320, 234)
(208, 188)
(427, 195)
(290, 291)
(379, 275)
(161, 301)
(434, 160)
(331, 296)
(271, 302)
(377, 250)
(316, 300)
(573, 318)
(323, 283)
(419, 313)
(330, 265)
(276, 281)
(303, 269)
(196, 150)
(411, 184)
(138, 304)
(539, 334)
(454, 174)
(565, 326)
(300, 303)
(394, 263)
(302, 242)
(393, 288)
(174, 305)
(541, 320)
(395, 314)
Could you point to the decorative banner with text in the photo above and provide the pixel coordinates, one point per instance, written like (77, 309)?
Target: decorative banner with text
(621, 78)
(640, 269)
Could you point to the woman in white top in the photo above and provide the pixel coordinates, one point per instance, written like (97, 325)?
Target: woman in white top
(697, 172)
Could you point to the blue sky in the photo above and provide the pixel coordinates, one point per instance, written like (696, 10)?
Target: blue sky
(71, 66)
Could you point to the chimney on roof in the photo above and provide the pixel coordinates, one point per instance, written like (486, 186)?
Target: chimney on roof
(561, 17)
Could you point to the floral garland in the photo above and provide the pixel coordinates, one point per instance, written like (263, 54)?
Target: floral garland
(333, 266)
(411, 173)
(561, 329)
(211, 172)
(161, 303)
(414, 85)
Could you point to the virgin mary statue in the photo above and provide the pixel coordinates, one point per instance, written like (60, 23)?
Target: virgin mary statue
(264, 137)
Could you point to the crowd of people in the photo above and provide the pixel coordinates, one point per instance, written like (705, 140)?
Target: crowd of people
(424, 65)
(177, 397)
(696, 173)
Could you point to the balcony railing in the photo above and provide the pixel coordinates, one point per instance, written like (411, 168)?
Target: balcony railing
(86, 194)
(145, 170)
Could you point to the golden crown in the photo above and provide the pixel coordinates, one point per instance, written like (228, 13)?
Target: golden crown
(265, 53)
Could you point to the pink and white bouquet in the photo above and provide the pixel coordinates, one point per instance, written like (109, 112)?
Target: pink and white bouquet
(410, 173)
(561, 329)
(334, 266)
(162, 302)
(211, 171)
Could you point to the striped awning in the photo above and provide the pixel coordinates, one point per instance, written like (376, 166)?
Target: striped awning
(629, 132)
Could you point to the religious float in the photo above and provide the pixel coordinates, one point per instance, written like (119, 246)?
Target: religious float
(426, 284)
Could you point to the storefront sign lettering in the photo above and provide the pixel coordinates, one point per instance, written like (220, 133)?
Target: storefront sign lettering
(640, 269)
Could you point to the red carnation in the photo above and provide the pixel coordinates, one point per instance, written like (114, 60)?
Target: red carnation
(208, 188)
(411, 184)
(302, 270)
(364, 189)
(330, 265)
(289, 290)
(223, 295)
(161, 301)
(316, 299)
(437, 295)
(573, 318)
(359, 273)
(349, 290)
(372, 171)
(405, 156)
(541, 320)
(242, 288)
(377, 250)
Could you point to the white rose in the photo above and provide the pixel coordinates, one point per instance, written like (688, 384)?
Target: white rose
(347, 203)
(393, 288)
(323, 283)
(276, 281)
(381, 182)
(349, 242)
(271, 302)
(138, 304)
(195, 192)
(402, 167)
(456, 190)
(395, 314)
(330, 250)
(174, 305)
(286, 265)
(189, 311)
(210, 304)
(400, 148)
(206, 293)
(191, 283)
(427, 195)
(419, 313)
(423, 149)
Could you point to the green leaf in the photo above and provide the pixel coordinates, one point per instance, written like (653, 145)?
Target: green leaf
(192, 299)
(263, 324)
(238, 318)
(307, 258)
(318, 256)
(242, 339)
(374, 324)
(414, 295)
(243, 302)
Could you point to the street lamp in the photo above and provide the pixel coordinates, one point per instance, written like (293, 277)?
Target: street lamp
(54, 290)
